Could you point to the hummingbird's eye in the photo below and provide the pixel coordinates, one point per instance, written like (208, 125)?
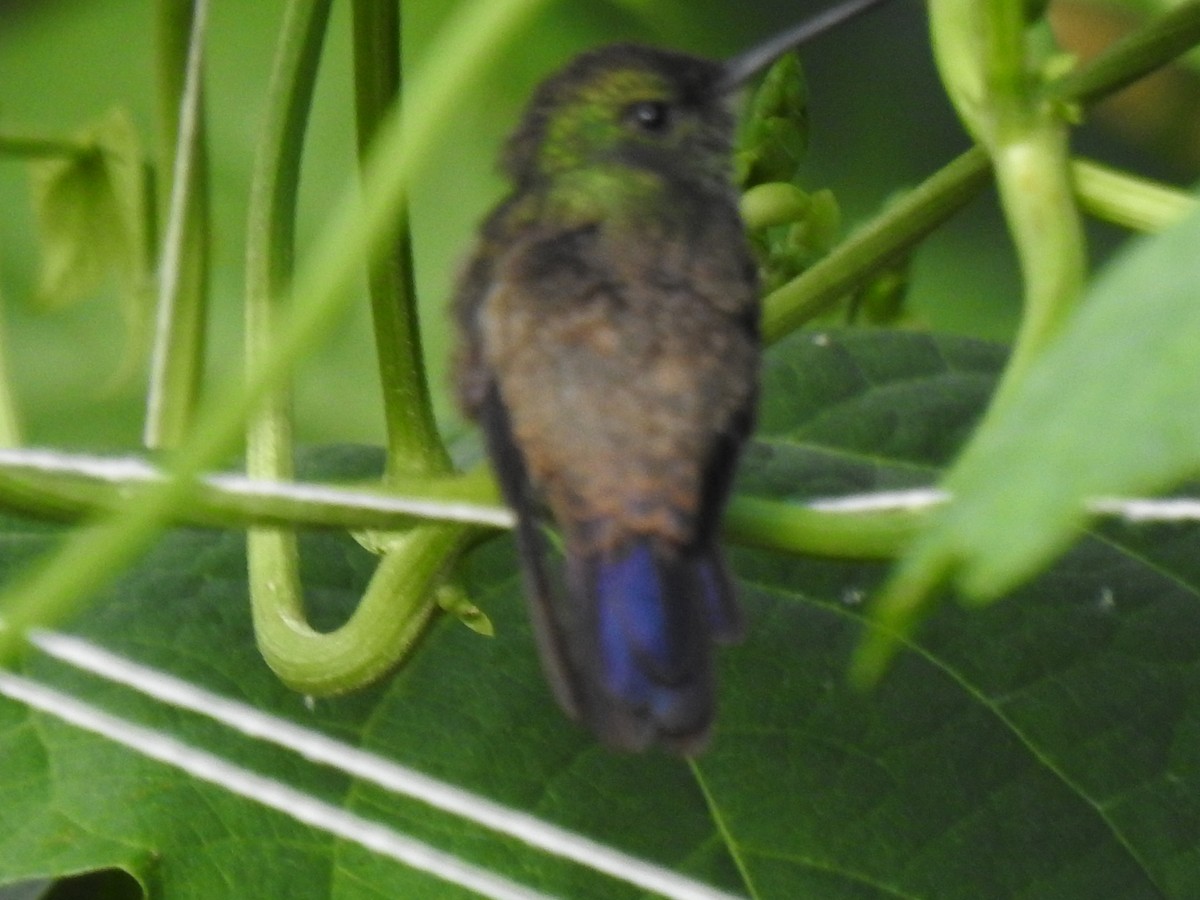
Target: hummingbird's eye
(651, 116)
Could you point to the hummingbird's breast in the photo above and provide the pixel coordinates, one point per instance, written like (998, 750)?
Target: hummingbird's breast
(624, 359)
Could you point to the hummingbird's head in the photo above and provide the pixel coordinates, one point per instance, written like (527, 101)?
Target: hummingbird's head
(627, 105)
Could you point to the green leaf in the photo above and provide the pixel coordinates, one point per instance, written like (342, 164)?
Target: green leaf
(1043, 747)
(94, 220)
(1109, 410)
(774, 133)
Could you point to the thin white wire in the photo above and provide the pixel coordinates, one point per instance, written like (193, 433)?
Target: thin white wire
(374, 769)
(1132, 509)
(109, 469)
(316, 493)
(1168, 509)
(881, 501)
(135, 470)
(205, 766)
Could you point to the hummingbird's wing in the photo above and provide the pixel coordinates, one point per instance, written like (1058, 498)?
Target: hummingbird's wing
(508, 463)
(725, 615)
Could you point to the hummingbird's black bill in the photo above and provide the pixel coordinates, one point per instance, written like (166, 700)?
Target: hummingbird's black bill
(744, 66)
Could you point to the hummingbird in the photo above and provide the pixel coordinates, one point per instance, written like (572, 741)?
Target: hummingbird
(609, 348)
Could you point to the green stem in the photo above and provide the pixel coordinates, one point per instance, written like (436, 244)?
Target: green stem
(10, 429)
(273, 559)
(776, 525)
(1128, 200)
(57, 498)
(1034, 177)
(177, 362)
(38, 147)
(369, 642)
(413, 442)
(54, 586)
(1159, 41)
(399, 600)
(878, 244)
(383, 628)
(15, 145)
(982, 54)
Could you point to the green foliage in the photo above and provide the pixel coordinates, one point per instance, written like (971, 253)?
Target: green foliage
(1043, 746)
(789, 227)
(1026, 749)
(774, 133)
(1108, 411)
(94, 218)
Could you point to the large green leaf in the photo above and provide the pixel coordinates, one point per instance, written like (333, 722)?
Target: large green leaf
(1108, 411)
(1044, 747)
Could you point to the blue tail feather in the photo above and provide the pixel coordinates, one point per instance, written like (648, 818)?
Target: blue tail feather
(657, 613)
(632, 621)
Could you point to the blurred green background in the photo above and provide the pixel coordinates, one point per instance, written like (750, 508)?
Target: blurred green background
(879, 123)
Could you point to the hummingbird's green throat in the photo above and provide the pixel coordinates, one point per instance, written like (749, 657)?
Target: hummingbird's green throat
(625, 106)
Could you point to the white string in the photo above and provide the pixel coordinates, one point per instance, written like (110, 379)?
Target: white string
(1132, 509)
(374, 769)
(131, 470)
(1169, 509)
(276, 795)
(317, 493)
(881, 501)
